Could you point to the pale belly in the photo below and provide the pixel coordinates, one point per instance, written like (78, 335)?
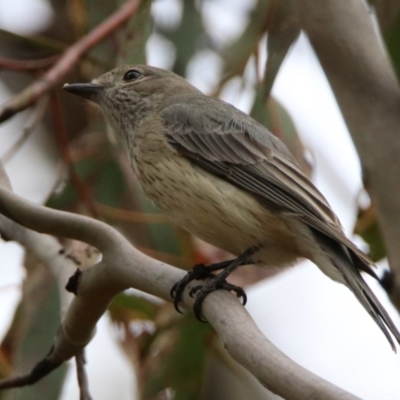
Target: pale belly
(218, 212)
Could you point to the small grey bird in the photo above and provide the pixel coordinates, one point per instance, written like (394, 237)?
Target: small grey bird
(216, 172)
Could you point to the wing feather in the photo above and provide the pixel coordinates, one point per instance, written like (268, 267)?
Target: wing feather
(246, 154)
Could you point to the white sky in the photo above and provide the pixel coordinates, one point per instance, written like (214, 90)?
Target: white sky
(312, 319)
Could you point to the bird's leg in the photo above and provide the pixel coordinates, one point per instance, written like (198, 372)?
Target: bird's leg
(200, 272)
(219, 282)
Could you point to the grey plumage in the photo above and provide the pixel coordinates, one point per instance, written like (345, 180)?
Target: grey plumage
(222, 176)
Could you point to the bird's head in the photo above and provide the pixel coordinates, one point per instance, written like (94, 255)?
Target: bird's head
(129, 92)
(129, 85)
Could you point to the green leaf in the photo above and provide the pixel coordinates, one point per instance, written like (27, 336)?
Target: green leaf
(182, 369)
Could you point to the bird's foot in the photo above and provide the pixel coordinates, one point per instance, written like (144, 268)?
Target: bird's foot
(202, 291)
(199, 272)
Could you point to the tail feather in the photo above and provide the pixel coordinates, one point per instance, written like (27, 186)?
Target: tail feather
(349, 267)
(368, 299)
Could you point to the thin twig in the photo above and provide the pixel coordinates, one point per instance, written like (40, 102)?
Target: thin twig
(82, 376)
(61, 135)
(40, 112)
(27, 65)
(41, 369)
(51, 78)
(130, 216)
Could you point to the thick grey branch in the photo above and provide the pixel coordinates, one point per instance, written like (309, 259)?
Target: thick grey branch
(123, 266)
(365, 86)
(57, 223)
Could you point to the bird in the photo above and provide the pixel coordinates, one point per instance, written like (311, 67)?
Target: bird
(220, 175)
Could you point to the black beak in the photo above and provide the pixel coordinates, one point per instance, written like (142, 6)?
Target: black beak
(87, 90)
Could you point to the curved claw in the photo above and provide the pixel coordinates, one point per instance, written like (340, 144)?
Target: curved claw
(173, 290)
(242, 294)
(198, 304)
(177, 291)
(173, 293)
(200, 271)
(176, 306)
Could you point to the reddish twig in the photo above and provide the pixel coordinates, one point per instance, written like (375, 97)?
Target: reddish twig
(27, 65)
(53, 76)
(61, 135)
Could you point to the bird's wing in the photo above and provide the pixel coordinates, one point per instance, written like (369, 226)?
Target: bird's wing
(244, 153)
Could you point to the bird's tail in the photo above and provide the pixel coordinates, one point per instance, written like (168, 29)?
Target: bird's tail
(347, 266)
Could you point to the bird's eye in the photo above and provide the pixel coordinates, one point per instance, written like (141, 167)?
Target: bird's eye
(131, 75)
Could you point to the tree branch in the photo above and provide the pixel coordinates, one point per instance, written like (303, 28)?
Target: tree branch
(367, 91)
(41, 369)
(52, 77)
(122, 267)
(82, 377)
